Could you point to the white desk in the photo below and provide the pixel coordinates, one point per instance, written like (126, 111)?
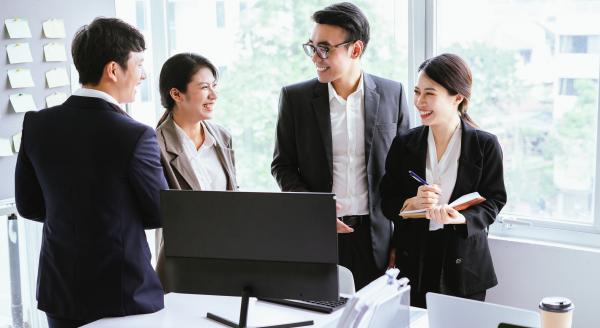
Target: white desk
(185, 310)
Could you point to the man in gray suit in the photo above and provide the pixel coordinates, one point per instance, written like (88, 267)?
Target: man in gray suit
(333, 135)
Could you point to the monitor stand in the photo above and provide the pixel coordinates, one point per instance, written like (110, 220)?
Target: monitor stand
(244, 316)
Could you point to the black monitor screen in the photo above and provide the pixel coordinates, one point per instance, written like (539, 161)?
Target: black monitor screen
(277, 245)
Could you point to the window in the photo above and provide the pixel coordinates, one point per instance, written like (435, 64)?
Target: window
(261, 47)
(220, 14)
(541, 104)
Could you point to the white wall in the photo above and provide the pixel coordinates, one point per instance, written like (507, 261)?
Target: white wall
(529, 271)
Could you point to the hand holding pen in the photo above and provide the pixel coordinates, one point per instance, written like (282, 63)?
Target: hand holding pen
(427, 194)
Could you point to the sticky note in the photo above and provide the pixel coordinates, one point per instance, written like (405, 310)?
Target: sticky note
(55, 99)
(6, 147)
(55, 52)
(22, 102)
(19, 53)
(54, 28)
(16, 140)
(17, 28)
(20, 78)
(57, 77)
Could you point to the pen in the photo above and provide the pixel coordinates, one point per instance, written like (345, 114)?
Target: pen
(417, 177)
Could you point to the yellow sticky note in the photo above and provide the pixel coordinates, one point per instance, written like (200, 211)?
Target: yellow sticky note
(22, 102)
(19, 53)
(17, 28)
(58, 98)
(54, 28)
(6, 147)
(57, 77)
(20, 78)
(16, 139)
(55, 52)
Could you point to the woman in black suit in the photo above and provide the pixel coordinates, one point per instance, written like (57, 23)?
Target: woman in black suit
(447, 252)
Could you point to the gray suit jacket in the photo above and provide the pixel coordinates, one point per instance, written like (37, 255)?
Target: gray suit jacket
(180, 174)
(302, 160)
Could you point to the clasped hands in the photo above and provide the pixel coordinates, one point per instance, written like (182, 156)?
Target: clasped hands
(427, 198)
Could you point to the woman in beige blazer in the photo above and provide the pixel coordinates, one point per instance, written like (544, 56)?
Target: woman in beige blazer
(195, 154)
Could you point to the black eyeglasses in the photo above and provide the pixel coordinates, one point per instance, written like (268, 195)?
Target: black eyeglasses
(321, 50)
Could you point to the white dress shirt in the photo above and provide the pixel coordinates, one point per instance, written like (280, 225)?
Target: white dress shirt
(349, 163)
(205, 160)
(443, 172)
(85, 92)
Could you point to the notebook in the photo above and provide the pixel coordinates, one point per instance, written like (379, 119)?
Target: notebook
(459, 204)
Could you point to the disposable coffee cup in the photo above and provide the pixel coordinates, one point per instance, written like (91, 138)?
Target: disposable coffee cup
(556, 312)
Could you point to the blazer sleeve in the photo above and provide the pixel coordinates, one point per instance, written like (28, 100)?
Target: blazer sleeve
(147, 178)
(403, 115)
(491, 186)
(28, 192)
(284, 167)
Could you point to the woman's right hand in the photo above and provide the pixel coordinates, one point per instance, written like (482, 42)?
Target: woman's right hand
(427, 197)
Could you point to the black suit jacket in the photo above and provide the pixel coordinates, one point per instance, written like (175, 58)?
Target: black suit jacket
(468, 267)
(92, 175)
(302, 160)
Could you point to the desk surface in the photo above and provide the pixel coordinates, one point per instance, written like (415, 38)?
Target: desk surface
(183, 310)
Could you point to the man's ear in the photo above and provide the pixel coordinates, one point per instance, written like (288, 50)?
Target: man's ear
(110, 69)
(357, 49)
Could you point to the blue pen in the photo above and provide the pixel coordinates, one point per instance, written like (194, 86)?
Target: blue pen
(417, 177)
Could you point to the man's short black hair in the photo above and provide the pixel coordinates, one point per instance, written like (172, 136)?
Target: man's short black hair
(103, 41)
(347, 16)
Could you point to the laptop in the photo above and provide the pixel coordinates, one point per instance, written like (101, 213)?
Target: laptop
(450, 311)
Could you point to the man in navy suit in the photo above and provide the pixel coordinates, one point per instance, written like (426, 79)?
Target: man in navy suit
(334, 132)
(92, 175)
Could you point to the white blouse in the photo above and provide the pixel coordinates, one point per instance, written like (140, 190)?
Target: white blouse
(205, 160)
(443, 172)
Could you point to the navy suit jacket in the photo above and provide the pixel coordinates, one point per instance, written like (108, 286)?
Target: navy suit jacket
(92, 175)
(468, 267)
(303, 159)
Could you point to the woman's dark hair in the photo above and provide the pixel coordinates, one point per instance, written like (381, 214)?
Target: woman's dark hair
(347, 16)
(102, 41)
(453, 73)
(176, 73)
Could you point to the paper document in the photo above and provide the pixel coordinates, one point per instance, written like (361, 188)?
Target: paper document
(19, 53)
(22, 102)
(57, 77)
(54, 28)
(6, 147)
(20, 78)
(16, 142)
(459, 204)
(17, 28)
(55, 52)
(55, 99)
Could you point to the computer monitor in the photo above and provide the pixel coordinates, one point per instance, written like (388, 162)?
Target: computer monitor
(259, 244)
(450, 311)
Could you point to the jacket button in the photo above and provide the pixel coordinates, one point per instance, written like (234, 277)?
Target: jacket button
(458, 261)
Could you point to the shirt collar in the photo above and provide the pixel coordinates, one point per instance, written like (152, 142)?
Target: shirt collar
(209, 141)
(333, 94)
(87, 92)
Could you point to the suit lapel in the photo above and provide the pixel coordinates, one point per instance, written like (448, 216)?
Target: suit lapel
(371, 111)
(178, 160)
(224, 157)
(469, 163)
(417, 147)
(320, 105)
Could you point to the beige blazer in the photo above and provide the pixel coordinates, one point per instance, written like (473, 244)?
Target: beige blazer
(180, 174)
